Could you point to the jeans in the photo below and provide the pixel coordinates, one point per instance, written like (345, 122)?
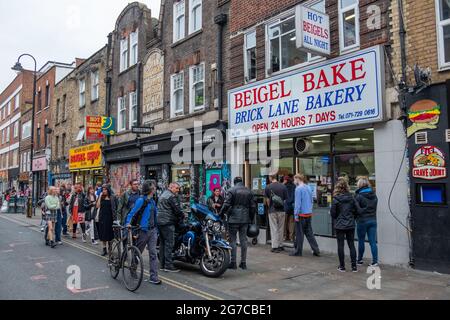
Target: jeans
(368, 227)
(58, 226)
(234, 229)
(341, 235)
(64, 221)
(304, 228)
(167, 241)
(149, 239)
(277, 221)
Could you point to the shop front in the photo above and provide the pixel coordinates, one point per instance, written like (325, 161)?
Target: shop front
(24, 180)
(325, 121)
(13, 177)
(40, 176)
(86, 165)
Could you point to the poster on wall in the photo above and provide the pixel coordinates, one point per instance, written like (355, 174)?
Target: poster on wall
(423, 114)
(122, 174)
(429, 163)
(213, 181)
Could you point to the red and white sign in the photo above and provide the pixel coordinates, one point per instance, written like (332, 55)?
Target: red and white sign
(40, 164)
(313, 31)
(340, 92)
(429, 164)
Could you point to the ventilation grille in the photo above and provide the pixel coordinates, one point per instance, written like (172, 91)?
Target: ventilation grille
(447, 135)
(421, 137)
(302, 146)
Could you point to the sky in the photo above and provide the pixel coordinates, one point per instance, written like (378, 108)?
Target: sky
(56, 30)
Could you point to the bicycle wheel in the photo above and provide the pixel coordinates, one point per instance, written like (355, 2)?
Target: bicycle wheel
(132, 268)
(114, 260)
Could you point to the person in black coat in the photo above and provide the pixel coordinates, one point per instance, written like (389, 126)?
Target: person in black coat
(289, 232)
(240, 207)
(343, 210)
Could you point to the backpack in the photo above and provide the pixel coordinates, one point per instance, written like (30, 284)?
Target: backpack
(277, 201)
(136, 220)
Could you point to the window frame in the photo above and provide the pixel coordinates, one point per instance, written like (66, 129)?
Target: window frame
(176, 17)
(174, 113)
(192, 107)
(134, 44)
(64, 108)
(57, 147)
(133, 122)
(440, 24)
(17, 101)
(124, 61)
(289, 14)
(95, 85)
(246, 49)
(82, 92)
(195, 4)
(341, 11)
(24, 126)
(8, 108)
(16, 129)
(121, 101)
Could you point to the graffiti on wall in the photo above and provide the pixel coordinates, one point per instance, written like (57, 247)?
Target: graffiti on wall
(122, 174)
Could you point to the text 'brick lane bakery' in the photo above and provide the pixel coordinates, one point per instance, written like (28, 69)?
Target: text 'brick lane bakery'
(331, 121)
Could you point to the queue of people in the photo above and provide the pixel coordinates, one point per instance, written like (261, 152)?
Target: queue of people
(290, 213)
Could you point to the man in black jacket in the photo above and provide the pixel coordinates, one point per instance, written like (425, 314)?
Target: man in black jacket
(169, 216)
(240, 207)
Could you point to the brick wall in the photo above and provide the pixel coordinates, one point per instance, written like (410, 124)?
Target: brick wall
(262, 11)
(421, 39)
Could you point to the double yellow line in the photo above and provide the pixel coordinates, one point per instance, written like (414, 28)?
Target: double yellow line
(173, 283)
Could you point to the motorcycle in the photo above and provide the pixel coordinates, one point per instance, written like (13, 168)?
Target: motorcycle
(200, 242)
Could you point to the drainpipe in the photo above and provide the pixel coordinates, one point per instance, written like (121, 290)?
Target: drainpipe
(402, 33)
(220, 20)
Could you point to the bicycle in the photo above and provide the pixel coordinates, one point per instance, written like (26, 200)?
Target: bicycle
(129, 260)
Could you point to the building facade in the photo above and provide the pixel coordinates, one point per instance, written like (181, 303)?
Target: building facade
(421, 63)
(13, 101)
(324, 130)
(81, 94)
(50, 74)
(127, 45)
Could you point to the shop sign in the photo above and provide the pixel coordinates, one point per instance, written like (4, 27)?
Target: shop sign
(85, 157)
(341, 92)
(312, 31)
(24, 176)
(94, 128)
(423, 114)
(150, 148)
(39, 164)
(429, 164)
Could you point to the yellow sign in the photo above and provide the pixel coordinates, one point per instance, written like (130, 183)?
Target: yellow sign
(86, 157)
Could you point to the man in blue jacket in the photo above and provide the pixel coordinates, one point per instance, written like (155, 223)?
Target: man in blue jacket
(145, 207)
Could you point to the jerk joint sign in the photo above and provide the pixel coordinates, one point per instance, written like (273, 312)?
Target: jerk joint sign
(338, 92)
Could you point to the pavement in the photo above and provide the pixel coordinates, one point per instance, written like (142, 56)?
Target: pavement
(29, 269)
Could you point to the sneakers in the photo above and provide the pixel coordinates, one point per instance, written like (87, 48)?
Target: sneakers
(172, 270)
(360, 263)
(275, 250)
(156, 283)
(59, 243)
(354, 269)
(341, 269)
(243, 266)
(374, 264)
(232, 266)
(316, 254)
(83, 237)
(94, 242)
(52, 244)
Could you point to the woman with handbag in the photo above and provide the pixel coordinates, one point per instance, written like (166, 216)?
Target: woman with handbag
(91, 213)
(106, 203)
(78, 211)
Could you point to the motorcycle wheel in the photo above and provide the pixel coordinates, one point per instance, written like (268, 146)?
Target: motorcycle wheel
(218, 264)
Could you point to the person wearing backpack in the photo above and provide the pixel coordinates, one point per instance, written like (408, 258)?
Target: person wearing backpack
(145, 214)
(343, 211)
(303, 217)
(276, 195)
(128, 200)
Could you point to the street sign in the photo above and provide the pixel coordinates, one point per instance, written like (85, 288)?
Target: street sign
(142, 130)
(312, 31)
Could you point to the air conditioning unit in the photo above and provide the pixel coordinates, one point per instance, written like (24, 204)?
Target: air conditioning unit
(302, 146)
(421, 137)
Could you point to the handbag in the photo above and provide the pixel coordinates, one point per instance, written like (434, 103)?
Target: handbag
(81, 217)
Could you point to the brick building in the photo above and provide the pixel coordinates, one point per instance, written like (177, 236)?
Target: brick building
(320, 136)
(49, 75)
(421, 65)
(127, 47)
(13, 101)
(80, 94)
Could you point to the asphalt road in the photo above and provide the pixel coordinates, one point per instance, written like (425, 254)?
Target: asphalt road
(30, 271)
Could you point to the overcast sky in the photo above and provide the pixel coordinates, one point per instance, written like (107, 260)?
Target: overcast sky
(56, 30)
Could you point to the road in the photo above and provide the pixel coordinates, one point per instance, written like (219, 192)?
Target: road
(30, 270)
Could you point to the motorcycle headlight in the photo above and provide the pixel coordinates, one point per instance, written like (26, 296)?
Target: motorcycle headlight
(210, 224)
(217, 227)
